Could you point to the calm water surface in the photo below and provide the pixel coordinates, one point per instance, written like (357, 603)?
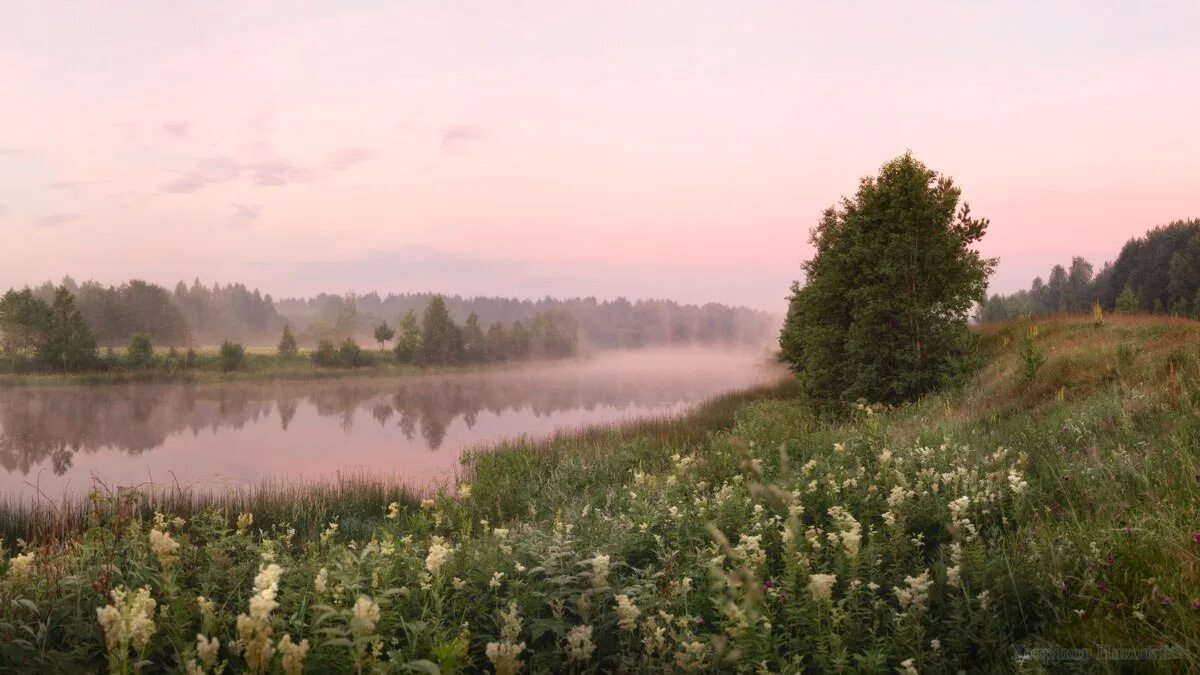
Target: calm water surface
(414, 428)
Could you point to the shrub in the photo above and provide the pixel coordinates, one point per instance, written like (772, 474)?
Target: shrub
(233, 356)
(325, 355)
(1032, 356)
(141, 352)
(350, 355)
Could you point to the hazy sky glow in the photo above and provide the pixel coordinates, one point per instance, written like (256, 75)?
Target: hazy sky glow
(641, 149)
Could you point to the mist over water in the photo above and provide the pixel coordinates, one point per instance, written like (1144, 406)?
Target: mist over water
(411, 428)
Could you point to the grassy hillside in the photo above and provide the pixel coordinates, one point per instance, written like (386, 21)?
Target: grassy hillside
(1059, 509)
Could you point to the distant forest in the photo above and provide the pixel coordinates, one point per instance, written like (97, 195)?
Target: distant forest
(1157, 273)
(205, 315)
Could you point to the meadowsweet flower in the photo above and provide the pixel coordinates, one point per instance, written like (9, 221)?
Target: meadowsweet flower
(365, 616)
(505, 657)
(321, 581)
(1016, 482)
(254, 629)
(915, 591)
(393, 511)
(164, 548)
(850, 531)
(464, 490)
(20, 566)
(909, 667)
(207, 607)
(439, 554)
(579, 643)
(691, 658)
(292, 655)
(600, 570)
(627, 613)
(127, 622)
(244, 521)
(749, 549)
(428, 504)
(458, 583)
(496, 577)
(820, 586)
(206, 650)
(954, 572)
(500, 533)
(329, 533)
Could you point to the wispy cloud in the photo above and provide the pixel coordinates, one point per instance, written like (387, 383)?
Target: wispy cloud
(56, 219)
(278, 172)
(203, 173)
(346, 158)
(243, 214)
(176, 129)
(459, 135)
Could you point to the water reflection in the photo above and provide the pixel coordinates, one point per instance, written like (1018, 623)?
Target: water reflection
(247, 430)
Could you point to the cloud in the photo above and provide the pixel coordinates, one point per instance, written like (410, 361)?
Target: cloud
(278, 172)
(346, 158)
(460, 135)
(176, 129)
(243, 214)
(205, 172)
(56, 219)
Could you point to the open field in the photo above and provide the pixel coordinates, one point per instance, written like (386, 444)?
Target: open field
(982, 528)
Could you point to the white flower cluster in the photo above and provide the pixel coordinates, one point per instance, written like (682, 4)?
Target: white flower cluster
(439, 554)
(254, 629)
(127, 622)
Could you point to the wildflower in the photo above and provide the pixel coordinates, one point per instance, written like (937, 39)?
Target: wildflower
(164, 547)
(958, 507)
(954, 572)
(691, 658)
(496, 577)
(464, 490)
(365, 616)
(749, 549)
(915, 591)
(850, 531)
(292, 655)
(321, 581)
(909, 667)
(127, 622)
(393, 512)
(500, 533)
(21, 565)
(1196, 537)
(821, 586)
(254, 629)
(579, 643)
(985, 599)
(600, 570)
(439, 553)
(1016, 482)
(206, 650)
(427, 504)
(505, 657)
(207, 607)
(627, 613)
(458, 584)
(244, 521)
(329, 533)
(935, 644)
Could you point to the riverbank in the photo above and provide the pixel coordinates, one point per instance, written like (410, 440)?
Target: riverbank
(1033, 509)
(260, 366)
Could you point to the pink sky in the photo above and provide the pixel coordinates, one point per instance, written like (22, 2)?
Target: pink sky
(678, 149)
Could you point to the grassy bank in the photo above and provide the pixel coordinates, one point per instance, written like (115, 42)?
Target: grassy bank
(979, 529)
(260, 364)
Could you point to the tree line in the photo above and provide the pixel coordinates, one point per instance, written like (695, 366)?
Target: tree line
(1156, 273)
(604, 324)
(435, 339)
(200, 314)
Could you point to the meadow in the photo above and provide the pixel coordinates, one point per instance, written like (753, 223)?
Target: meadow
(1044, 515)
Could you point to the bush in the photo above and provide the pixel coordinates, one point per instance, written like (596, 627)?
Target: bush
(141, 352)
(288, 349)
(325, 355)
(233, 356)
(350, 355)
(1032, 356)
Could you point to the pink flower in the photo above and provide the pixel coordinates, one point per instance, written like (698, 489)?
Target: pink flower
(1196, 537)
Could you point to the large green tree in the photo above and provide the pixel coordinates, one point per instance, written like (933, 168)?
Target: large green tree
(408, 342)
(441, 338)
(882, 314)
